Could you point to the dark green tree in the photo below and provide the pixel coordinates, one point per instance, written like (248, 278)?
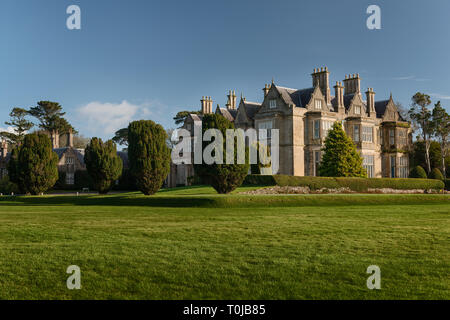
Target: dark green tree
(182, 115)
(441, 124)
(36, 166)
(121, 137)
(418, 172)
(436, 174)
(340, 159)
(418, 154)
(148, 154)
(224, 178)
(421, 116)
(103, 164)
(50, 116)
(20, 126)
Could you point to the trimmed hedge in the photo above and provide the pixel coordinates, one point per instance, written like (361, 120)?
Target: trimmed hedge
(354, 184)
(436, 174)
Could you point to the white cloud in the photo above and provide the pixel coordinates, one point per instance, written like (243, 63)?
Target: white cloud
(440, 96)
(414, 78)
(8, 129)
(104, 118)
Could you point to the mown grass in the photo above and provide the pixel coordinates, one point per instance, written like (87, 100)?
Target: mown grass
(190, 243)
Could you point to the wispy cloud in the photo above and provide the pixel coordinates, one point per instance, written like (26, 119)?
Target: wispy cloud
(413, 78)
(104, 118)
(440, 96)
(8, 129)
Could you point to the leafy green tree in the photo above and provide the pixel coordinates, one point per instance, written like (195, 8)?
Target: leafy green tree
(148, 154)
(340, 159)
(224, 178)
(182, 115)
(441, 124)
(50, 116)
(436, 174)
(421, 116)
(121, 137)
(418, 172)
(20, 126)
(418, 154)
(103, 164)
(36, 165)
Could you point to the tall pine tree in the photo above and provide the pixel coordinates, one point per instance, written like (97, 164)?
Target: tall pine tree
(341, 159)
(35, 170)
(103, 164)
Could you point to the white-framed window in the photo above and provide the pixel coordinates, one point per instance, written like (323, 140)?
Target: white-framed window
(356, 132)
(316, 129)
(391, 136)
(402, 137)
(357, 109)
(380, 136)
(326, 126)
(368, 164)
(403, 167)
(367, 134)
(70, 160)
(266, 125)
(273, 103)
(318, 104)
(70, 178)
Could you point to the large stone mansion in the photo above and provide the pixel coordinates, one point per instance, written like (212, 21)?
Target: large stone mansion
(304, 116)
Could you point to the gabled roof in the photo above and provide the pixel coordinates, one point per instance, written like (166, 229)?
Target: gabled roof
(79, 153)
(229, 114)
(380, 107)
(251, 108)
(298, 97)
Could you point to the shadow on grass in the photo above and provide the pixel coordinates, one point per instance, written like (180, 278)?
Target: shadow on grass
(224, 201)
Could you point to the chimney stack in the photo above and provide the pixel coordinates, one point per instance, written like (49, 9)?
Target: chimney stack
(320, 77)
(266, 89)
(339, 95)
(70, 139)
(352, 84)
(370, 94)
(231, 104)
(206, 105)
(4, 148)
(55, 139)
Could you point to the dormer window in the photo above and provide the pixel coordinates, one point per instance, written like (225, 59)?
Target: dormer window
(318, 104)
(273, 103)
(70, 160)
(357, 109)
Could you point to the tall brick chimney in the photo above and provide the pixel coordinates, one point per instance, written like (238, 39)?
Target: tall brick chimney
(370, 95)
(320, 77)
(206, 105)
(231, 103)
(70, 138)
(339, 96)
(352, 84)
(54, 136)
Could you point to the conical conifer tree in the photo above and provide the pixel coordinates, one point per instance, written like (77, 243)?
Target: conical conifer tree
(103, 164)
(340, 159)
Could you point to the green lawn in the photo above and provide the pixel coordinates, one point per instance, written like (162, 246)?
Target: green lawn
(190, 243)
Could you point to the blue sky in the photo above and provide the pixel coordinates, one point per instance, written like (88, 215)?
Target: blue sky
(143, 59)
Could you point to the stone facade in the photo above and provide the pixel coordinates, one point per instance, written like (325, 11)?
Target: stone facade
(304, 116)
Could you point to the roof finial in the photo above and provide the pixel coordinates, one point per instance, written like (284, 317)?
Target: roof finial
(272, 80)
